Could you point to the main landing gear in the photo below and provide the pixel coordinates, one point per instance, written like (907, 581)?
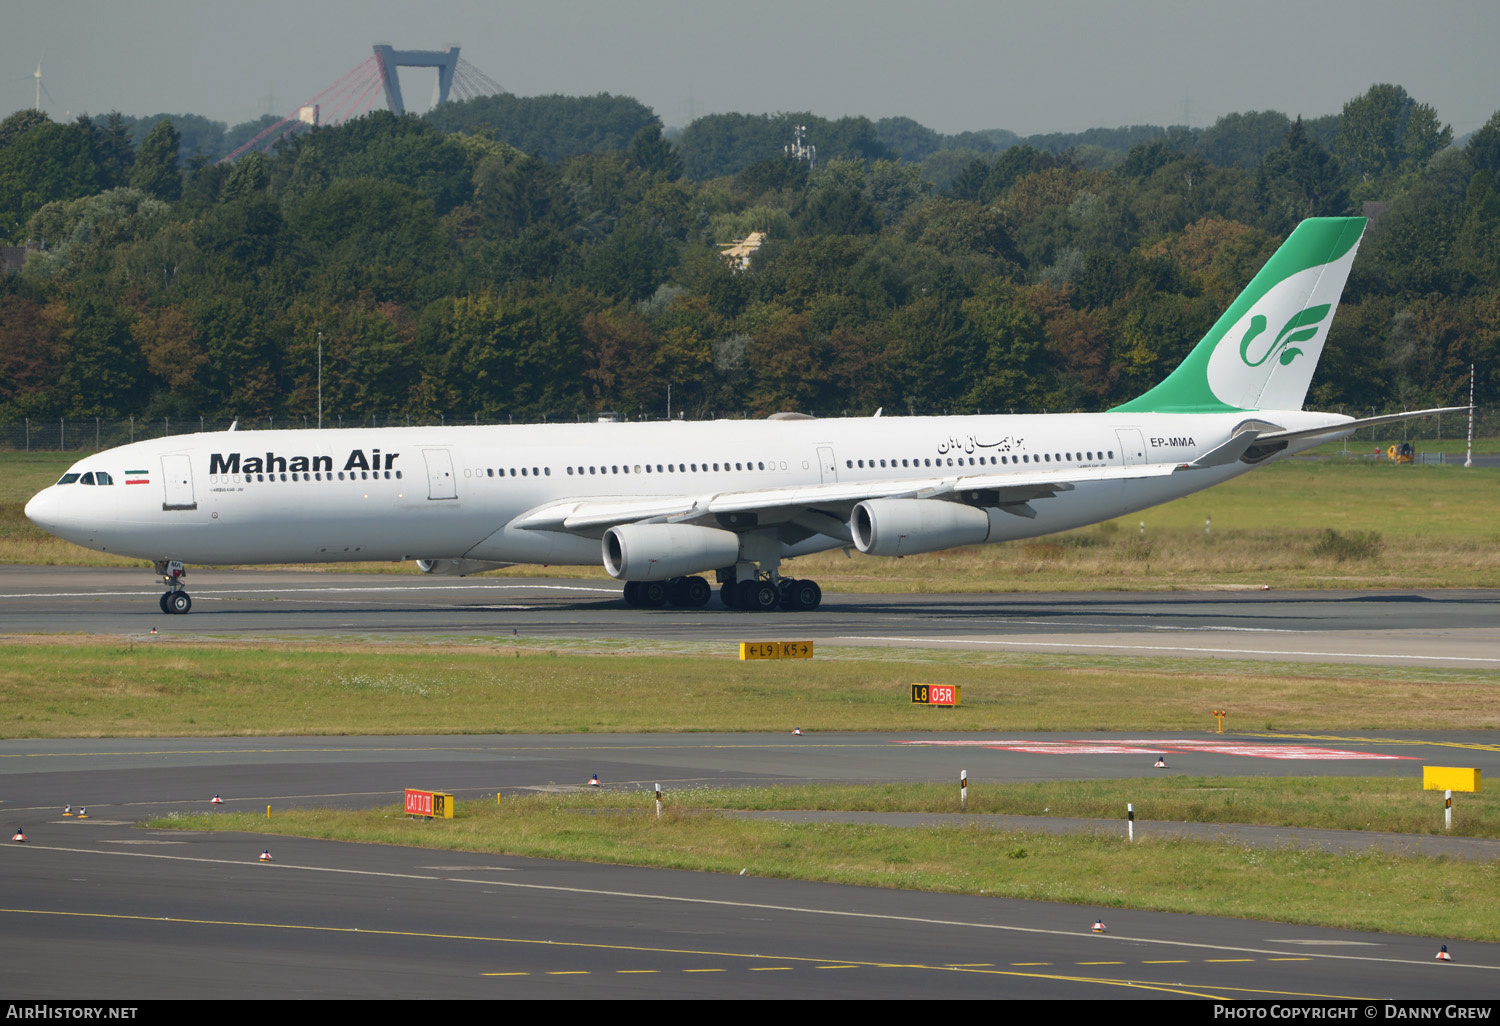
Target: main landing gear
(765, 594)
(688, 592)
(175, 599)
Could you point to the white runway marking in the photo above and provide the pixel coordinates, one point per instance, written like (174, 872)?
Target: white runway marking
(1170, 648)
(1002, 621)
(294, 590)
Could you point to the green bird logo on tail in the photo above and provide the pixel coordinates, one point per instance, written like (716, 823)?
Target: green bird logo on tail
(1308, 321)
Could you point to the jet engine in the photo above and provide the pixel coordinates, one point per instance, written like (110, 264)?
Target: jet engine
(904, 527)
(659, 552)
(458, 567)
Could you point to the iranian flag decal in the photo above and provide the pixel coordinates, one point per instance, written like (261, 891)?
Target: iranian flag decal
(137, 477)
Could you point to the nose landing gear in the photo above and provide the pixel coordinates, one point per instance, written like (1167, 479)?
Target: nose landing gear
(175, 599)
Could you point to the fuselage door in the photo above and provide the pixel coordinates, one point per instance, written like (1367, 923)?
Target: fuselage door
(1132, 446)
(441, 484)
(828, 467)
(177, 477)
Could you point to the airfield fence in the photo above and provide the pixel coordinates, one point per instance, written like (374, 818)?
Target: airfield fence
(94, 434)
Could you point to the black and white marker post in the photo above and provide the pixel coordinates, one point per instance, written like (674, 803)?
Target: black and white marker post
(963, 790)
(1130, 822)
(658, 801)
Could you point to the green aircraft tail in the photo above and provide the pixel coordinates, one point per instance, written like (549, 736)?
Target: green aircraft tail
(1260, 355)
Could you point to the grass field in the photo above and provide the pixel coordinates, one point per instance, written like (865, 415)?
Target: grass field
(152, 687)
(1305, 523)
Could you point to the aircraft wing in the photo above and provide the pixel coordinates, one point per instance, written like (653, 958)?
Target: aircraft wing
(593, 516)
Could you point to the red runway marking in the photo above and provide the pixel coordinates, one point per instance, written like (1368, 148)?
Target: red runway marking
(1248, 749)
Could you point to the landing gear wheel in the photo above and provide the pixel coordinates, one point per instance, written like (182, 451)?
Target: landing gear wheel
(695, 593)
(652, 594)
(178, 602)
(633, 593)
(786, 592)
(163, 602)
(759, 596)
(806, 594)
(729, 593)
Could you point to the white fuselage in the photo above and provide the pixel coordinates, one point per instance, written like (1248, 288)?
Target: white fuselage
(318, 496)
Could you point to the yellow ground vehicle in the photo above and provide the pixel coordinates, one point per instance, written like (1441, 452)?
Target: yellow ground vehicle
(1401, 452)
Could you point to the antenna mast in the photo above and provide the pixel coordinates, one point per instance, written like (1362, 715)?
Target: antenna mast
(799, 149)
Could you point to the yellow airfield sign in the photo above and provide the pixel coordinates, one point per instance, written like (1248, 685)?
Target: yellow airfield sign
(776, 650)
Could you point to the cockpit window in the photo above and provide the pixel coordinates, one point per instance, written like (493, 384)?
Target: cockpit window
(67, 479)
(101, 477)
(87, 479)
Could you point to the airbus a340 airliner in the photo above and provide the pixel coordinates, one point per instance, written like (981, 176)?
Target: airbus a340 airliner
(660, 503)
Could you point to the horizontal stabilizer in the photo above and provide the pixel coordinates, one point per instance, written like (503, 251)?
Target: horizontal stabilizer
(1228, 452)
(1350, 426)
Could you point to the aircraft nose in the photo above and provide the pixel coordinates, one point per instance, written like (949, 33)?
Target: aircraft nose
(43, 509)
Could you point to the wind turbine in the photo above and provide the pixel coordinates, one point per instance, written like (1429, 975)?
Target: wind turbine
(40, 89)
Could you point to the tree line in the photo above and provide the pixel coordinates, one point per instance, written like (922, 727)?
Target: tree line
(446, 269)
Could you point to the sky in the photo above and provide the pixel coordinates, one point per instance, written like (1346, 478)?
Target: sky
(953, 65)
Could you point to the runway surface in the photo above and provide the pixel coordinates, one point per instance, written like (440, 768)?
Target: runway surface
(163, 914)
(1456, 629)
